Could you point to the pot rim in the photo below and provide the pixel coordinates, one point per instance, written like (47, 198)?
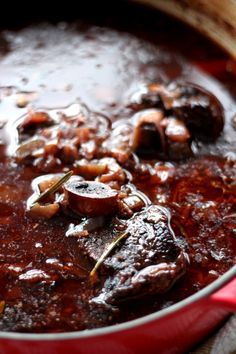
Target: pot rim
(204, 293)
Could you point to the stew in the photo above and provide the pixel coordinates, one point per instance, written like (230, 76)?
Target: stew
(117, 168)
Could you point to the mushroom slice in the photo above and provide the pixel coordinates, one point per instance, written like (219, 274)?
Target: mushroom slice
(90, 169)
(147, 96)
(91, 198)
(34, 120)
(176, 130)
(46, 211)
(28, 148)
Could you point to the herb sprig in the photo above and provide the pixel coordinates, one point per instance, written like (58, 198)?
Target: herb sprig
(53, 188)
(106, 253)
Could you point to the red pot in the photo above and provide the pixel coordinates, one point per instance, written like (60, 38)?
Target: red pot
(172, 330)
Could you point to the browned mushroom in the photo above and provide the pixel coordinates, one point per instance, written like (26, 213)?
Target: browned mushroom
(176, 130)
(118, 145)
(46, 211)
(90, 169)
(113, 173)
(177, 138)
(199, 109)
(147, 96)
(27, 148)
(91, 198)
(148, 136)
(33, 120)
(42, 183)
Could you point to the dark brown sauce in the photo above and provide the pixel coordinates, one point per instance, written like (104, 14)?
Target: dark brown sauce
(100, 62)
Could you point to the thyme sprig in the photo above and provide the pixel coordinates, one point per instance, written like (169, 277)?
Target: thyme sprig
(106, 253)
(53, 188)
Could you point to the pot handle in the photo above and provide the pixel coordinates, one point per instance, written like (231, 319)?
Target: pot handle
(226, 296)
